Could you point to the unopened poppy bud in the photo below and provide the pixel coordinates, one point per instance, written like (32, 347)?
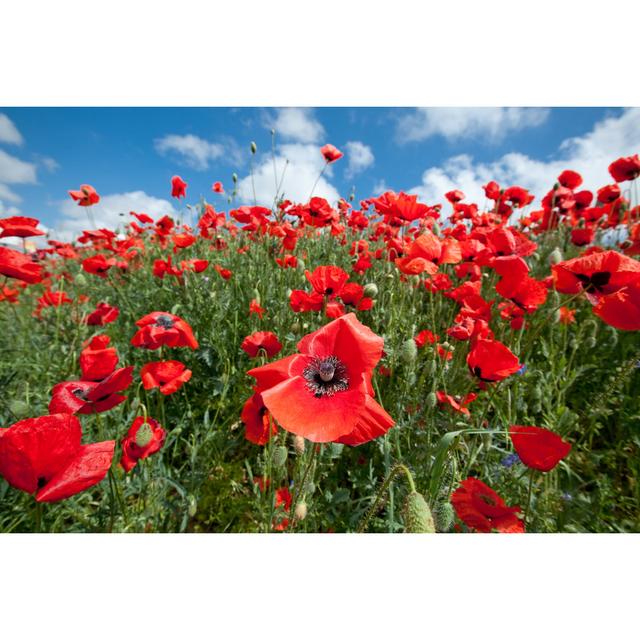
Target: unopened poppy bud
(557, 316)
(19, 408)
(432, 367)
(234, 177)
(436, 229)
(417, 515)
(555, 256)
(409, 351)
(444, 517)
(301, 511)
(254, 148)
(279, 456)
(80, 280)
(256, 295)
(301, 265)
(371, 290)
(415, 280)
(298, 444)
(431, 400)
(309, 488)
(288, 293)
(144, 435)
(193, 506)
(273, 132)
(486, 440)
(536, 394)
(591, 342)
(536, 408)
(295, 327)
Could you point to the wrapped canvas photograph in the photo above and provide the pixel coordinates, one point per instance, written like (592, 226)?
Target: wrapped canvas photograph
(419, 320)
(281, 283)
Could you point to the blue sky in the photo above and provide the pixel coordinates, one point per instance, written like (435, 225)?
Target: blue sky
(130, 154)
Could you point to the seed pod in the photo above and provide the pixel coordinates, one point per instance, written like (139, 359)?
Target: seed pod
(254, 147)
(555, 256)
(144, 435)
(301, 511)
(409, 351)
(371, 290)
(279, 456)
(417, 515)
(444, 517)
(431, 400)
(80, 280)
(298, 444)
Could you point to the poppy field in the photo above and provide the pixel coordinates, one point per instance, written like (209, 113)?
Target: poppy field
(372, 365)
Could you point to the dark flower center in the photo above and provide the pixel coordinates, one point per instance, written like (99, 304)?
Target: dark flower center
(326, 376)
(80, 393)
(165, 322)
(595, 282)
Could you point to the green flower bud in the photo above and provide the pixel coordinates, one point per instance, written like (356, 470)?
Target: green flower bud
(336, 449)
(309, 488)
(254, 147)
(298, 444)
(80, 280)
(301, 265)
(256, 295)
(444, 516)
(234, 177)
(431, 400)
(301, 511)
(371, 290)
(432, 368)
(555, 256)
(279, 456)
(409, 351)
(19, 408)
(417, 515)
(144, 435)
(193, 506)
(590, 342)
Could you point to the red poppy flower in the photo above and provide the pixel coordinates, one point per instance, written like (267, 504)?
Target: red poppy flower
(143, 218)
(84, 396)
(427, 252)
(19, 227)
(98, 265)
(482, 509)
(283, 499)
(567, 316)
(178, 187)
(224, 273)
(518, 196)
(159, 328)
(254, 307)
(103, 314)
(168, 376)
(144, 438)
(330, 153)
(217, 187)
(14, 264)
(257, 421)
(45, 456)
(491, 361)
(196, 265)
(97, 359)
(492, 190)
(261, 340)
(622, 308)
(538, 448)
(570, 179)
(454, 196)
(456, 403)
(582, 237)
(86, 196)
(624, 169)
(301, 301)
(327, 280)
(425, 336)
(324, 392)
(597, 273)
(183, 240)
(608, 194)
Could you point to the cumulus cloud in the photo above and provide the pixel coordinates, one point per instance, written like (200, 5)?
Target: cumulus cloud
(297, 124)
(191, 150)
(590, 155)
(455, 123)
(106, 213)
(8, 195)
(305, 163)
(16, 171)
(359, 158)
(8, 131)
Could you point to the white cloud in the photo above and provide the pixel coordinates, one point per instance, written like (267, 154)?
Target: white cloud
(454, 123)
(296, 124)
(7, 210)
(193, 151)
(589, 155)
(359, 158)
(49, 164)
(15, 171)
(8, 194)
(8, 131)
(74, 219)
(305, 164)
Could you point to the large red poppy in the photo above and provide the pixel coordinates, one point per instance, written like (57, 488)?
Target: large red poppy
(624, 169)
(19, 227)
(324, 392)
(14, 264)
(490, 361)
(327, 280)
(178, 187)
(538, 448)
(330, 153)
(261, 340)
(103, 314)
(482, 509)
(98, 360)
(622, 308)
(159, 328)
(45, 456)
(85, 196)
(168, 376)
(98, 265)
